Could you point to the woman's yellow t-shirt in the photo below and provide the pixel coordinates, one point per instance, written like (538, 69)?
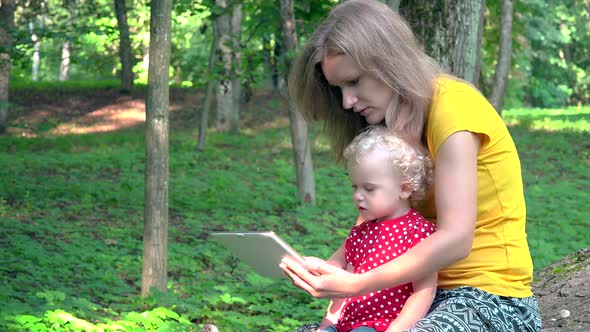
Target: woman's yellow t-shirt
(500, 261)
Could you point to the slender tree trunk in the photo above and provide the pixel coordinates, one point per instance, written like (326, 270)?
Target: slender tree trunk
(211, 83)
(124, 46)
(267, 62)
(66, 49)
(6, 27)
(301, 145)
(36, 52)
(451, 32)
(64, 67)
(236, 32)
(155, 232)
(504, 56)
(224, 88)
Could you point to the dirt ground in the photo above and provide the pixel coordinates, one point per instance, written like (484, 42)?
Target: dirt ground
(103, 110)
(563, 291)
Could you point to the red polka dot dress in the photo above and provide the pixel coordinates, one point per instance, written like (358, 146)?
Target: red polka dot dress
(372, 244)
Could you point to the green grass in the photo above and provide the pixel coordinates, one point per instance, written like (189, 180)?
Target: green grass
(554, 148)
(17, 85)
(71, 212)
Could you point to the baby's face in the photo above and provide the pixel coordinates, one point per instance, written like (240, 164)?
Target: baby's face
(377, 187)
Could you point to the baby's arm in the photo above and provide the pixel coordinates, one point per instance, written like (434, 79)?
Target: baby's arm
(417, 305)
(338, 258)
(332, 313)
(336, 305)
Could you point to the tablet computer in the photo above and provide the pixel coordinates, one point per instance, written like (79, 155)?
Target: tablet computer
(263, 251)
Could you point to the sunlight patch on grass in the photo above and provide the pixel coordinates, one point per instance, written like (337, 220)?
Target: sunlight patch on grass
(113, 117)
(60, 320)
(574, 119)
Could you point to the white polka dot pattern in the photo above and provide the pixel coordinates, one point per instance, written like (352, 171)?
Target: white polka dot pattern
(370, 245)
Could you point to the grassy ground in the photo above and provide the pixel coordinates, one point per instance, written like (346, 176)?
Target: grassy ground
(71, 209)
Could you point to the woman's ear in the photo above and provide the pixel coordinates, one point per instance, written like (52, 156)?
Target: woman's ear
(406, 190)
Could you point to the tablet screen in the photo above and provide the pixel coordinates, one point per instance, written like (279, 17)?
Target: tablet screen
(263, 251)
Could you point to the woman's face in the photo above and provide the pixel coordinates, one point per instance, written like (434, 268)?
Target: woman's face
(361, 92)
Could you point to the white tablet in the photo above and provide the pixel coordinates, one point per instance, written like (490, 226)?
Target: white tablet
(261, 250)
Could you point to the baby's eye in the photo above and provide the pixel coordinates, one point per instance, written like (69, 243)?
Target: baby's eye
(369, 189)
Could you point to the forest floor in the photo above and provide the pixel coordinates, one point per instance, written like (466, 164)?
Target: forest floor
(46, 114)
(38, 113)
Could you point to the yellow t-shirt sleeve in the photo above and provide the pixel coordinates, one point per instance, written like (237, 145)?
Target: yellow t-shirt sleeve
(459, 107)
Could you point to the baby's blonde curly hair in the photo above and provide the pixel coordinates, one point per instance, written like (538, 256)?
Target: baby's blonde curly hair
(414, 166)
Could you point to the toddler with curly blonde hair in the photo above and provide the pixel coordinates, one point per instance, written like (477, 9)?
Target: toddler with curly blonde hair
(386, 173)
(413, 165)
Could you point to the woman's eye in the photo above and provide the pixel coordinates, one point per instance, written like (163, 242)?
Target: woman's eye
(353, 82)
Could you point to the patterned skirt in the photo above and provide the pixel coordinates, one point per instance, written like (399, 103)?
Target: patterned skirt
(472, 309)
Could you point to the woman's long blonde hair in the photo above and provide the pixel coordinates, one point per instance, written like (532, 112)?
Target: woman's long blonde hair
(383, 44)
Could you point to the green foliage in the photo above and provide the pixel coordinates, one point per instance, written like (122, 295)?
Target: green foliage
(92, 28)
(549, 53)
(550, 57)
(554, 59)
(71, 222)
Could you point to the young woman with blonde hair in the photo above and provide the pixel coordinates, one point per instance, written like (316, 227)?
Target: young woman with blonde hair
(363, 66)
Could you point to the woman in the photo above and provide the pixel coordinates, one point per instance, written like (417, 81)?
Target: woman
(363, 67)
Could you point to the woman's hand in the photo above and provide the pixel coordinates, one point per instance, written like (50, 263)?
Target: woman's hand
(321, 279)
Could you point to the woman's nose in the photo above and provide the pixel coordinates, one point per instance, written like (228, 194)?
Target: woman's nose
(348, 99)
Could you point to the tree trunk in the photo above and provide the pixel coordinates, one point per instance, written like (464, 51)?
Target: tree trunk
(468, 29)
(236, 32)
(124, 47)
(267, 58)
(6, 27)
(36, 52)
(155, 232)
(66, 49)
(224, 88)
(64, 67)
(504, 56)
(211, 82)
(451, 32)
(299, 137)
